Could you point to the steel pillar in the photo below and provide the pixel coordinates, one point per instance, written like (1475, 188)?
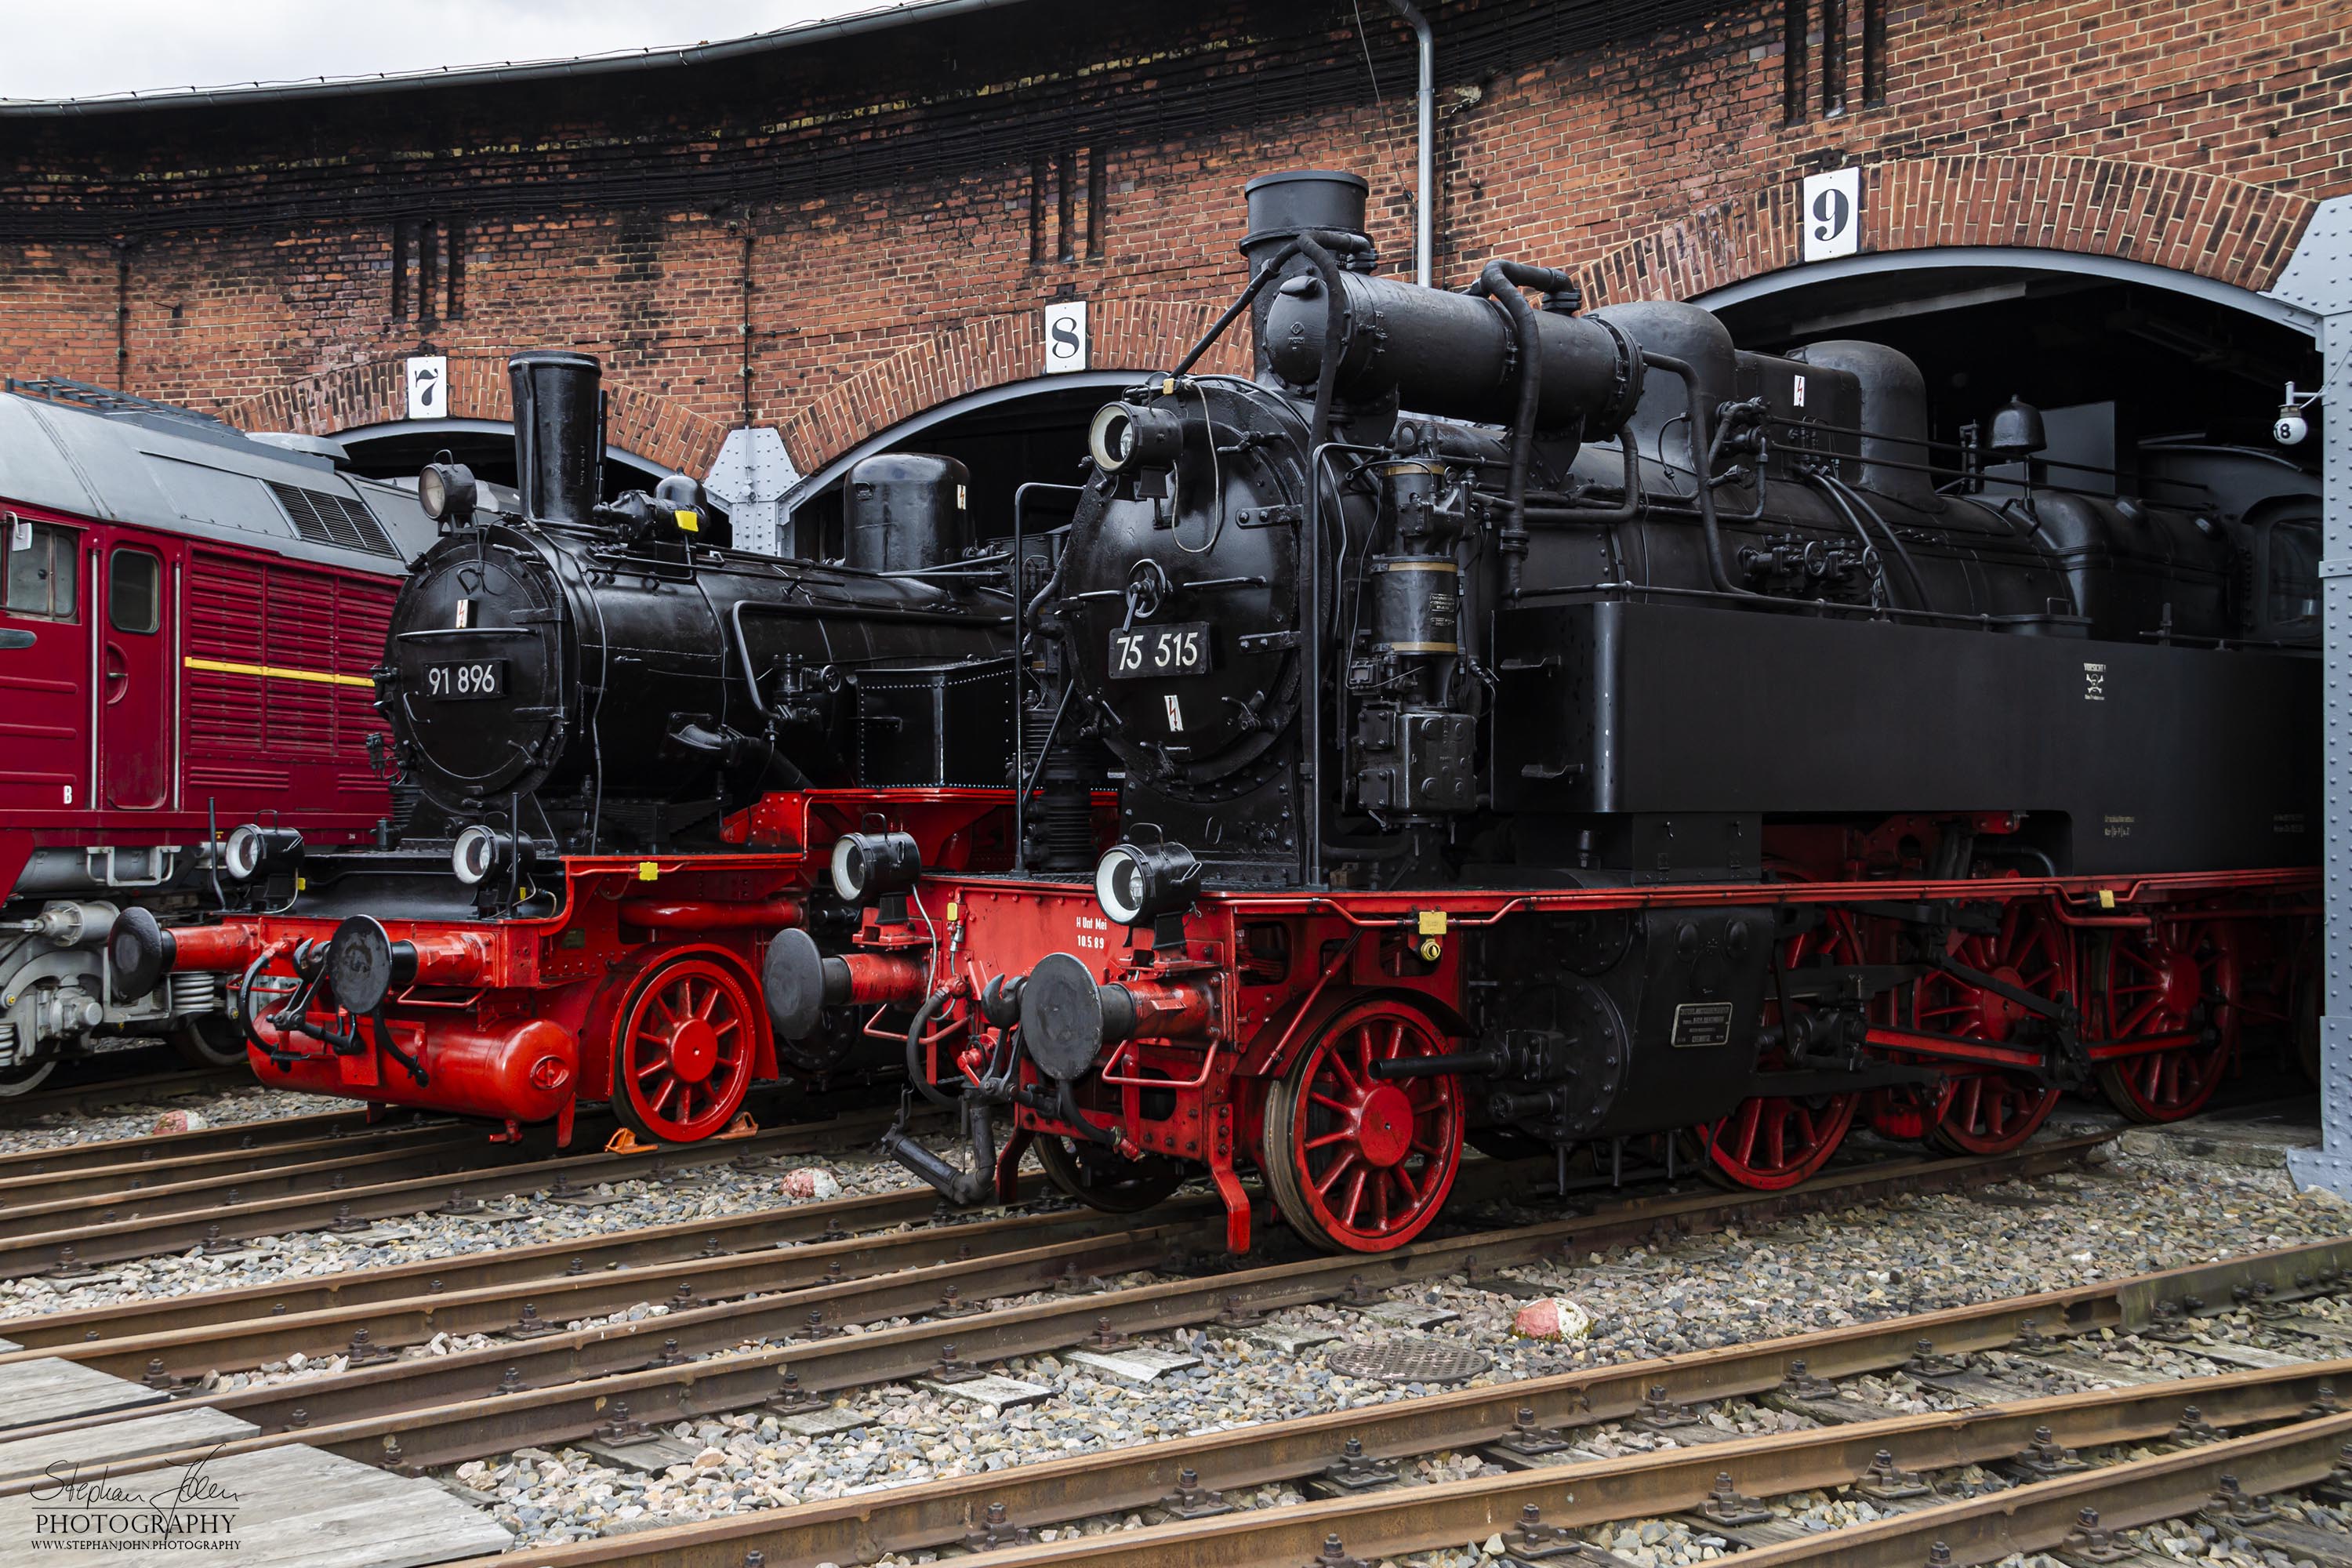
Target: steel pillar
(2318, 278)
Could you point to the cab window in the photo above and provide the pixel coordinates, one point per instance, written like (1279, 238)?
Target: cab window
(134, 591)
(2293, 570)
(42, 570)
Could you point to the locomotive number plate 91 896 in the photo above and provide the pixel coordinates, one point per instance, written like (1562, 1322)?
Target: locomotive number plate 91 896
(1142, 652)
(473, 677)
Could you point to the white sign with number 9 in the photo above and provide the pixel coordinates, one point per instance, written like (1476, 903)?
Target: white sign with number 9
(1833, 214)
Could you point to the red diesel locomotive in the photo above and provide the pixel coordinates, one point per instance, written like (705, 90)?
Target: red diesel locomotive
(1561, 732)
(189, 622)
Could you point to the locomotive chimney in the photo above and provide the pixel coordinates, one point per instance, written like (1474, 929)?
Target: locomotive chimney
(1284, 205)
(559, 432)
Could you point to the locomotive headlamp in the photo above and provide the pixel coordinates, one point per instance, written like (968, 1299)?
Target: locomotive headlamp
(1138, 884)
(1127, 436)
(253, 849)
(866, 866)
(483, 852)
(446, 491)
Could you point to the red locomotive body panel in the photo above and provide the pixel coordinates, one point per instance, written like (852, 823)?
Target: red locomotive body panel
(167, 675)
(642, 987)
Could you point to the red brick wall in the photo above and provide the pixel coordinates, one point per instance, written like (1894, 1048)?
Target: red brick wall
(2191, 136)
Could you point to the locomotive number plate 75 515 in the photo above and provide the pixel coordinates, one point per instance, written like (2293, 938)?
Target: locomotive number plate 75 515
(473, 677)
(1139, 652)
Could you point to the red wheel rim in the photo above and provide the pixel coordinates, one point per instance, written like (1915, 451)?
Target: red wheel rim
(1992, 1112)
(2181, 976)
(684, 1060)
(1373, 1158)
(1771, 1142)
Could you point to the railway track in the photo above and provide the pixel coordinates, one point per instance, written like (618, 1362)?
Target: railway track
(321, 1182)
(106, 1093)
(547, 1384)
(2047, 1444)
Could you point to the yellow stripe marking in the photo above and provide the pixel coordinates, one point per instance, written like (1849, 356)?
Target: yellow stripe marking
(277, 672)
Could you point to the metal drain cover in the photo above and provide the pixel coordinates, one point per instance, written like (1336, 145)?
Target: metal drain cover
(1409, 1359)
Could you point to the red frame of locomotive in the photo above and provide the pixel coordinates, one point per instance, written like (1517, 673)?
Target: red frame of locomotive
(1220, 1026)
(1217, 1032)
(646, 957)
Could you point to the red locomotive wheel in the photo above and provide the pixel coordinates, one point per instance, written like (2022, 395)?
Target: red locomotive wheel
(1771, 1142)
(682, 1055)
(2181, 976)
(1993, 1113)
(1355, 1162)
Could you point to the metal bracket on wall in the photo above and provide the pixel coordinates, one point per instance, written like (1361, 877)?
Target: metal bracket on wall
(2318, 278)
(750, 478)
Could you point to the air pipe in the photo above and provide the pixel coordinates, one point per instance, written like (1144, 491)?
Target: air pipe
(1424, 154)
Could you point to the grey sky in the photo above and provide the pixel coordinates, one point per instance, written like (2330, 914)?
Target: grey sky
(75, 51)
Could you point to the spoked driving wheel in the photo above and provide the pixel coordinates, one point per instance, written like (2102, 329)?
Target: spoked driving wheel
(1995, 1111)
(1358, 1162)
(682, 1055)
(2181, 977)
(1105, 1179)
(1771, 1142)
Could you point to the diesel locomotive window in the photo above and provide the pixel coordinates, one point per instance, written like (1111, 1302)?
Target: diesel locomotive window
(43, 579)
(134, 591)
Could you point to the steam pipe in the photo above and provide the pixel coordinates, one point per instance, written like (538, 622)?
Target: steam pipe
(1334, 316)
(1024, 610)
(1500, 281)
(1625, 510)
(915, 1074)
(1424, 152)
(1700, 442)
(1232, 312)
(962, 1188)
(1853, 498)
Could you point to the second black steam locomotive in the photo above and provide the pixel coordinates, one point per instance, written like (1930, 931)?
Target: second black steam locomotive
(1565, 731)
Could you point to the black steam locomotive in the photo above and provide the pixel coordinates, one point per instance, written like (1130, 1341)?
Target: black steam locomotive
(625, 753)
(1681, 581)
(1567, 729)
(634, 684)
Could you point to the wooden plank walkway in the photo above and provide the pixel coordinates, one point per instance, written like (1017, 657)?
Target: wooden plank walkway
(283, 1508)
(110, 1448)
(53, 1389)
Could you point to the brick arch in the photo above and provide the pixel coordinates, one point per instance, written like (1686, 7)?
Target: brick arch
(652, 427)
(982, 352)
(2224, 229)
